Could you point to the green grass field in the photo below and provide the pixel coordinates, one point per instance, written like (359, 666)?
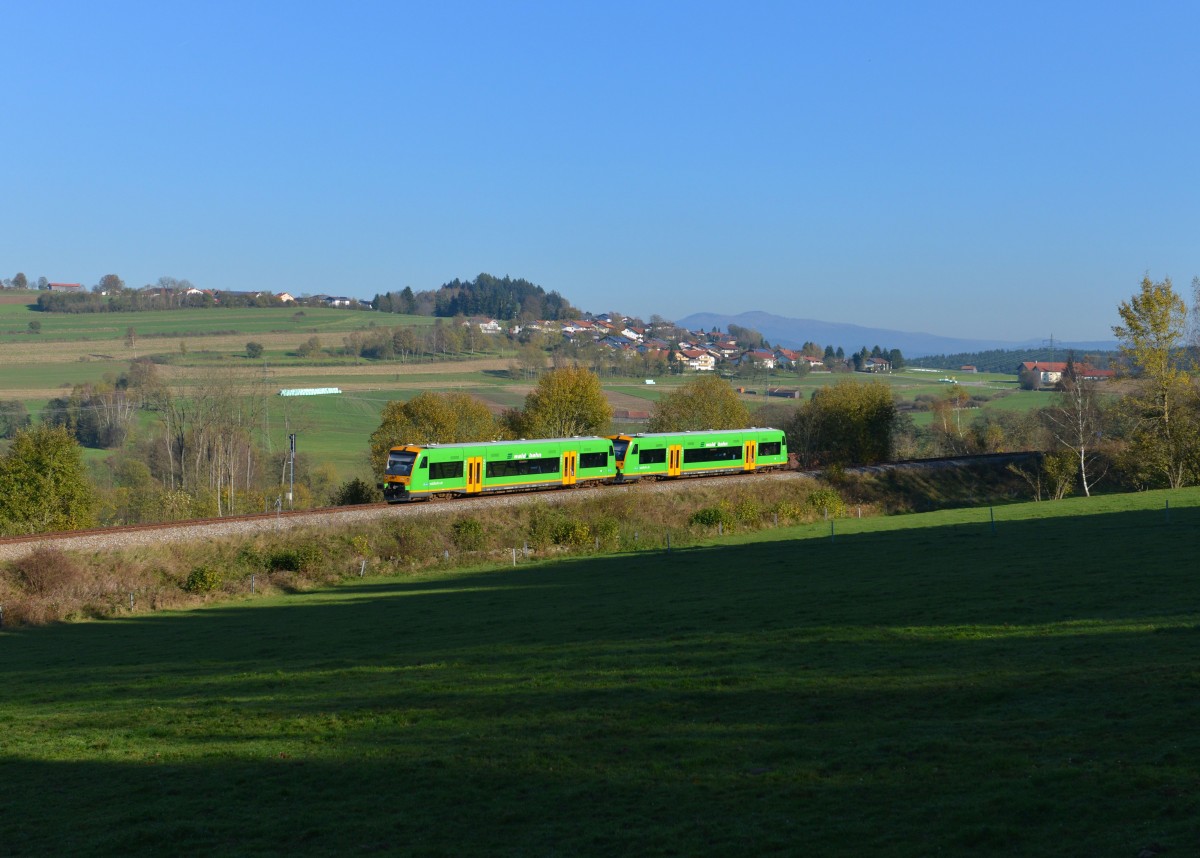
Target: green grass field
(907, 686)
(197, 323)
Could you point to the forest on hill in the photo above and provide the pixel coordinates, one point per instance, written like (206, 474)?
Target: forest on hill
(1007, 360)
(494, 297)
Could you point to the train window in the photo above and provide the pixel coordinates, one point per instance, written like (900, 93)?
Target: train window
(522, 467)
(593, 460)
(769, 448)
(653, 457)
(712, 454)
(542, 466)
(619, 448)
(445, 470)
(424, 466)
(634, 450)
(500, 469)
(400, 464)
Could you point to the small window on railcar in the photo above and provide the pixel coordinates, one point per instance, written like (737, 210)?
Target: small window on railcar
(619, 448)
(445, 470)
(769, 448)
(593, 460)
(653, 457)
(712, 454)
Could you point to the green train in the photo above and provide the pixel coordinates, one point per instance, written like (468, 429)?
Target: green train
(690, 454)
(416, 472)
(424, 471)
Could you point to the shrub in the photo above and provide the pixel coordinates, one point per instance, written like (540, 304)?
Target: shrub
(552, 526)
(48, 571)
(607, 529)
(467, 534)
(787, 510)
(826, 501)
(712, 516)
(360, 545)
(356, 491)
(573, 532)
(747, 511)
(204, 579)
(252, 557)
(304, 557)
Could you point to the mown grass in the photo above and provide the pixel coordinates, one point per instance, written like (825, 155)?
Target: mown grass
(907, 686)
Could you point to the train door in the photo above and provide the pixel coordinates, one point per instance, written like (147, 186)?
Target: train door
(750, 453)
(570, 460)
(474, 475)
(674, 460)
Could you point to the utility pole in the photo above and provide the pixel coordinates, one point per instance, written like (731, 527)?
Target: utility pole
(292, 475)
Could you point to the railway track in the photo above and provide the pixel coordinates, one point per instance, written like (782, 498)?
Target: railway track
(114, 538)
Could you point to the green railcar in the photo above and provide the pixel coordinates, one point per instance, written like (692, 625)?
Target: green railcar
(684, 454)
(423, 471)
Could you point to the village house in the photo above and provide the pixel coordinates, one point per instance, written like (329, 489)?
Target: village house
(786, 358)
(760, 358)
(486, 326)
(1051, 373)
(696, 359)
(65, 287)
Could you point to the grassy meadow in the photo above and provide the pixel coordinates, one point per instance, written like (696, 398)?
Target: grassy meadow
(904, 686)
(73, 349)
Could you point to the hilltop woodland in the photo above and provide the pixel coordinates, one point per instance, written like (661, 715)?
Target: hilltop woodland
(198, 451)
(492, 297)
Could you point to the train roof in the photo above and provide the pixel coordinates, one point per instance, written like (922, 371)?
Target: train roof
(696, 432)
(521, 442)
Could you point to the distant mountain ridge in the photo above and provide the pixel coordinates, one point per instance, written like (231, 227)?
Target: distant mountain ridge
(793, 333)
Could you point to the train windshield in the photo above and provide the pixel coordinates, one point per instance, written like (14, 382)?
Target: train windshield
(400, 464)
(620, 445)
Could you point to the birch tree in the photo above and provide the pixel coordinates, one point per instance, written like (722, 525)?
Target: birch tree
(1163, 404)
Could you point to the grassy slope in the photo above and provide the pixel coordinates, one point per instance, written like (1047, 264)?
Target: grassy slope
(915, 685)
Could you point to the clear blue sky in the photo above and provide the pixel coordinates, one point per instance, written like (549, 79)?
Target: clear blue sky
(1002, 170)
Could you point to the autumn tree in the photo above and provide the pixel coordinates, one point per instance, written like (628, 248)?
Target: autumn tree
(44, 484)
(1163, 405)
(110, 284)
(707, 402)
(431, 418)
(847, 422)
(566, 402)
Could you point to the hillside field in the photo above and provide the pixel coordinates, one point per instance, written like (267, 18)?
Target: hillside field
(905, 686)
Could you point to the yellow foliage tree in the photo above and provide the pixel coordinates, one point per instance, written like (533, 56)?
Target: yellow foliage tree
(432, 418)
(707, 402)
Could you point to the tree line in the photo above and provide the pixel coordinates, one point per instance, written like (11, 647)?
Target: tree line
(1006, 360)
